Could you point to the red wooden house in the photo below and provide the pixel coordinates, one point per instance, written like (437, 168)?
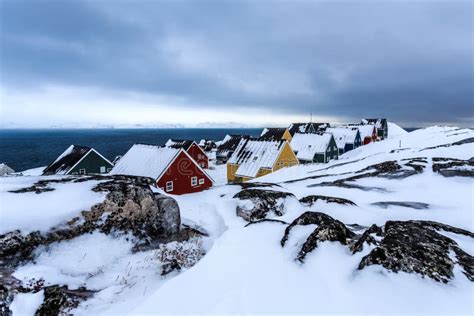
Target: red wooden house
(174, 170)
(192, 148)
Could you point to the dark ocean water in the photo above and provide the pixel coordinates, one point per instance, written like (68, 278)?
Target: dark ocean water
(24, 149)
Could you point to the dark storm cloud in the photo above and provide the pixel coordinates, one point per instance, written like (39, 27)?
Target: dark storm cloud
(412, 61)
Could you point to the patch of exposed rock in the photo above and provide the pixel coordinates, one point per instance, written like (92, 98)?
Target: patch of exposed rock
(450, 167)
(258, 203)
(328, 229)
(59, 300)
(413, 205)
(417, 247)
(311, 199)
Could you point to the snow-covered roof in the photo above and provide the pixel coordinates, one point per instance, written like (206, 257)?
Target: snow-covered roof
(179, 143)
(306, 146)
(4, 169)
(343, 136)
(378, 122)
(230, 143)
(273, 133)
(252, 155)
(67, 160)
(145, 161)
(307, 127)
(365, 130)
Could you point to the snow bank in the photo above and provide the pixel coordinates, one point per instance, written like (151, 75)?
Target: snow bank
(30, 211)
(395, 131)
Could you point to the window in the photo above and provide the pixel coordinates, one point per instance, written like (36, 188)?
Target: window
(194, 181)
(169, 186)
(82, 171)
(102, 169)
(201, 181)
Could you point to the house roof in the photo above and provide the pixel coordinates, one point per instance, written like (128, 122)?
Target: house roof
(306, 146)
(230, 143)
(67, 160)
(145, 161)
(343, 136)
(273, 133)
(207, 144)
(307, 127)
(179, 143)
(366, 130)
(378, 122)
(252, 155)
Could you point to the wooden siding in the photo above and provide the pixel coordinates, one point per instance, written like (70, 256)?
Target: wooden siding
(91, 163)
(180, 172)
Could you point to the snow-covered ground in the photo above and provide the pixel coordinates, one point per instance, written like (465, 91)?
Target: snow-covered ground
(245, 270)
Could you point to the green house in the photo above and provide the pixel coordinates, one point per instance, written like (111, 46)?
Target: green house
(78, 160)
(310, 148)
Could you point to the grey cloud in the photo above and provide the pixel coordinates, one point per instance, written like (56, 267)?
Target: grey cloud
(411, 61)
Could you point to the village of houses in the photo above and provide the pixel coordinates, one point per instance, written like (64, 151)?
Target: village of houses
(183, 166)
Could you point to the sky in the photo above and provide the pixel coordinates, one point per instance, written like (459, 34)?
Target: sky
(107, 63)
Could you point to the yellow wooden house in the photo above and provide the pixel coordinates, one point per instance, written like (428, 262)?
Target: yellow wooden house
(276, 133)
(254, 158)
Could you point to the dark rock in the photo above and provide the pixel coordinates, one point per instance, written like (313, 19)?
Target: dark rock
(266, 220)
(59, 300)
(6, 298)
(416, 246)
(251, 185)
(366, 238)
(130, 206)
(328, 229)
(461, 142)
(264, 202)
(311, 199)
(450, 167)
(414, 205)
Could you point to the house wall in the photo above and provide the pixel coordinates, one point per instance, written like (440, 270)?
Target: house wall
(198, 155)
(332, 152)
(319, 158)
(231, 170)
(181, 170)
(287, 158)
(287, 135)
(92, 163)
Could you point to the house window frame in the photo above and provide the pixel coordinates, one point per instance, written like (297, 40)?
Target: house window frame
(201, 181)
(82, 171)
(103, 169)
(194, 181)
(169, 186)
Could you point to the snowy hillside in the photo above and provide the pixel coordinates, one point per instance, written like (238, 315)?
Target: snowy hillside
(270, 266)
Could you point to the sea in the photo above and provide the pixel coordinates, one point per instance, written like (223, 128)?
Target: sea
(23, 149)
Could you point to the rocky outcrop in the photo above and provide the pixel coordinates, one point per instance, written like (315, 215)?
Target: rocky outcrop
(129, 207)
(328, 229)
(450, 167)
(59, 300)
(258, 203)
(418, 247)
(311, 199)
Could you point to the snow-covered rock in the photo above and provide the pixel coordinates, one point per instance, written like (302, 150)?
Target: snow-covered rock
(5, 170)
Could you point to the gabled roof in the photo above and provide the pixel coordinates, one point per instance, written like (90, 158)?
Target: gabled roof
(69, 159)
(179, 143)
(145, 161)
(230, 143)
(366, 130)
(343, 136)
(273, 133)
(150, 161)
(306, 146)
(252, 155)
(207, 144)
(307, 127)
(378, 122)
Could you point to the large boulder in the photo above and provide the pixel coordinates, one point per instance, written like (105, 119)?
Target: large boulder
(257, 204)
(417, 247)
(328, 229)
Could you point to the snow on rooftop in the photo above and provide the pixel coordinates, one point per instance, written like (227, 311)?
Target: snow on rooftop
(342, 136)
(252, 155)
(145, 161)
(306, 146)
